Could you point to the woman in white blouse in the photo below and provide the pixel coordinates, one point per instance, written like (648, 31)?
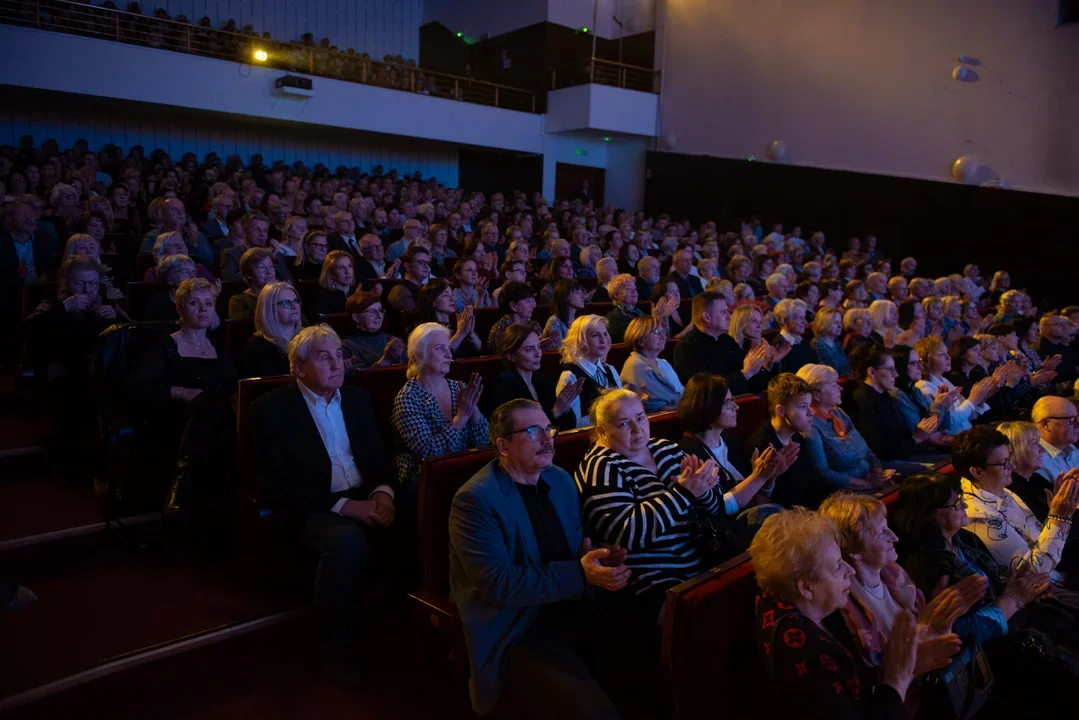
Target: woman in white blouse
(584, 354)
(645, 372)
(982, 456)
(936, 362)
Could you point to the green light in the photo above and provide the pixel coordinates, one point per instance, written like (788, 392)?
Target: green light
(460, 34)
(607, 139)
(584, 29)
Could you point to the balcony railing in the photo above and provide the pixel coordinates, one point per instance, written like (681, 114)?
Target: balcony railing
(146, 30)
(605, 72)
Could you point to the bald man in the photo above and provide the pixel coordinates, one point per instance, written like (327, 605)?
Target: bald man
(1056, 418)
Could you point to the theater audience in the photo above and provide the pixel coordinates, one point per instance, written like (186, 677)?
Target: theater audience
(520, 348)
(1058, 423)
(320, 455)
(814, 662)
(794, 351)
(337, 281)
(277, 320)
(707, 346)
(623, 291)
(835, 449)
(182, 385)
(644, 371)
(569, 297)
(518, 558)
(706, 410)
(256, 236)
(369, 346)
(435, 305)
(433, 415)
(1056, 339)
(584, 355)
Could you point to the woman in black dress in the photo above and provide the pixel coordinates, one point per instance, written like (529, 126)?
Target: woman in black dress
(277, 320)
(182, 386)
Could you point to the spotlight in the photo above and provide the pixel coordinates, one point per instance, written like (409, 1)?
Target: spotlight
(261, 55)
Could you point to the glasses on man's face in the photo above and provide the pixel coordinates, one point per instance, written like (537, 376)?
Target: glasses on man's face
(1006, 462)
(535, 432)
(319, 246)
(288, 304)
(422, 263)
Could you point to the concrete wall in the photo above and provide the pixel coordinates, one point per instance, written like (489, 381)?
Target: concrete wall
(603, 108)
(867, 85)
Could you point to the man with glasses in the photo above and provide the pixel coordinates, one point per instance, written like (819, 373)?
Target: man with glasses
(1057, 332)
(517, 560)
(417, 265)
(1057, 419)
(1011, 532)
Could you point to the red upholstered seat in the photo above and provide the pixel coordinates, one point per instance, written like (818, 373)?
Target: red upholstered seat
(340, 322)
(247, 392)
(752, 413)
(383, 384)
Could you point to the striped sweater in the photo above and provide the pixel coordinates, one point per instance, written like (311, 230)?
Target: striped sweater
(625, 504)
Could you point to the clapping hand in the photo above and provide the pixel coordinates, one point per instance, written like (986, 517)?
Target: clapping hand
(982, 390)
(604, 567)
(1044, 376)
(951, 602)
(1051, 363)
(468, 401)
(755, 359)
(900, 653)
(393, 353)
(765, 464)
(565, 398)
(1066, 495)
(926, 427)
(698, 477)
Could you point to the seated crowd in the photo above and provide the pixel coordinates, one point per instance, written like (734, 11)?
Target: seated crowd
(600, 317)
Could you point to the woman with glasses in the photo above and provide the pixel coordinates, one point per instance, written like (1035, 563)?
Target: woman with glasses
(277, 320)
(1015, 538)
(521, 350)
(1030, 481)
(369, 346)
(645, 372)
(706, 410)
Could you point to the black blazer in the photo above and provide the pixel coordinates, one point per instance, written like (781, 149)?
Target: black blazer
(509, 385)
(330, 302)
(263, 359)
(291, 459)
(800, 484)
(879, 422)
(799, 356)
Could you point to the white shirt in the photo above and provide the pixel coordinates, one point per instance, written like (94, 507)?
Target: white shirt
(330, 422)
(730, 505)
(1058, 461)
(1011, 532)
(592, 369)
(792, 339)
(961, 413)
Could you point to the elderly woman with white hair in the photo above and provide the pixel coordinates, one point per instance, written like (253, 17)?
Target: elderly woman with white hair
(837, 451)
(433, 415)
(172, 243)
(884, 314)
(277, 320)
(171, 270)
(815, 664)
(624, 295)
(590, 255)
(606, 270)
(584, 355)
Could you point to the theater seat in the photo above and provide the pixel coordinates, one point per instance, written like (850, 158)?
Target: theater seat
(247, 392)
(383, 384)
(752, 413)
(237, 333)
(340, 322)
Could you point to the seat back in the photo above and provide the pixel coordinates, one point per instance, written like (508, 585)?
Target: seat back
(383, 384)
(487, 366)
(247, 392)
(143, 262)
(340, 322)
(237, 333)
(138, 294)
(752, 413)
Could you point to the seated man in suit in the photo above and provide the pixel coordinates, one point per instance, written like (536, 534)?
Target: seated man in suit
(372, 264)
(345, 236)
(217, 227)
(791, 316)
(321, 457)
(515, 568)
(689, 285)
(790, 415)
(256, 228)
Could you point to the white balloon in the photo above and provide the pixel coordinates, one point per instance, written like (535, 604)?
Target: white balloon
(965, 168)
(777, 151)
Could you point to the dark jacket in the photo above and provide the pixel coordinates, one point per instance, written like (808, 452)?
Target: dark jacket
(263, 359)
(690, 286)
(618, 321)
(800, 485)
(330, 302)
(692, 445)
(800, 355)
(697, 352)
(230, 265)
(292, 460)
(880, 423)
(509, 385)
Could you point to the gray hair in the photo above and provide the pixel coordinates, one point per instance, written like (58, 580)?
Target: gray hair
(169, 264)
(299, 348)
(419, 341)
(501, 422)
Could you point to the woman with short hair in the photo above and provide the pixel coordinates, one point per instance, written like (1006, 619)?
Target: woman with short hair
(1029, 481)
(584, 355)
(435, 305)
(337, 280)
(257, 268)
(369, 346)
(814, 663)
(172, 243)
(277, 320)
(827, 328)
(433, 415)
(645, 372)
(590, 255)
(171, 270)
(936, 363)
(857, 325)
(517, 301)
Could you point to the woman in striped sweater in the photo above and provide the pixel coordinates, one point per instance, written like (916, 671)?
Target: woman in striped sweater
(641, 493)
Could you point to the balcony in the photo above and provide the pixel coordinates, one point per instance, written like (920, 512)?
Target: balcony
(179, 37)
(596, 71)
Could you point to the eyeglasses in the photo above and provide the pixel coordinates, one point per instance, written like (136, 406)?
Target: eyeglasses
(956, 504)
(1005, 463)
(288, 304)
(375, 310)
(731, 404)
(422, 263)
(534, 432)
(1070, 419)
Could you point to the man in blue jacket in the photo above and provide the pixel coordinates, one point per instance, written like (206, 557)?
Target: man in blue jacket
(515, 530)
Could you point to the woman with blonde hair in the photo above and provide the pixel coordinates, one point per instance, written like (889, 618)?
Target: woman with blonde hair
(433, 415)
(827, 328)
(934, 315)
(885, 318)
(747, 322)
(584, 355)
(277, 320)
(1029, 478)
(291, 244)
(338, 280)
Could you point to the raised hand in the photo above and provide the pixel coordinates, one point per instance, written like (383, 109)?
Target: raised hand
(77, 303)
(936, 652)
(393, 353)
(926, 427)
(787, 455)
(1051, 363)
(565, 398)
(755, 359)
(982, 390)
(765, 464)
(1066, 497)
(1044, 376)
(468, 401)
(698, 478)
(599, 568)
(900, 653)
(952, 603)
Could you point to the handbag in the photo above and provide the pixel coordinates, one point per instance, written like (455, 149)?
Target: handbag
(718, 537)
(959, 691)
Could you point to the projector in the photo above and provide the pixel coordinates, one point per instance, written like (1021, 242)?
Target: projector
(295, 85)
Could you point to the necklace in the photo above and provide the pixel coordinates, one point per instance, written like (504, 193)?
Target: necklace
(871, 590)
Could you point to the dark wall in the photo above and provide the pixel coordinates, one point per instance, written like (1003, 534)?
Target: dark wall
(491, 171)
(944, 225)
